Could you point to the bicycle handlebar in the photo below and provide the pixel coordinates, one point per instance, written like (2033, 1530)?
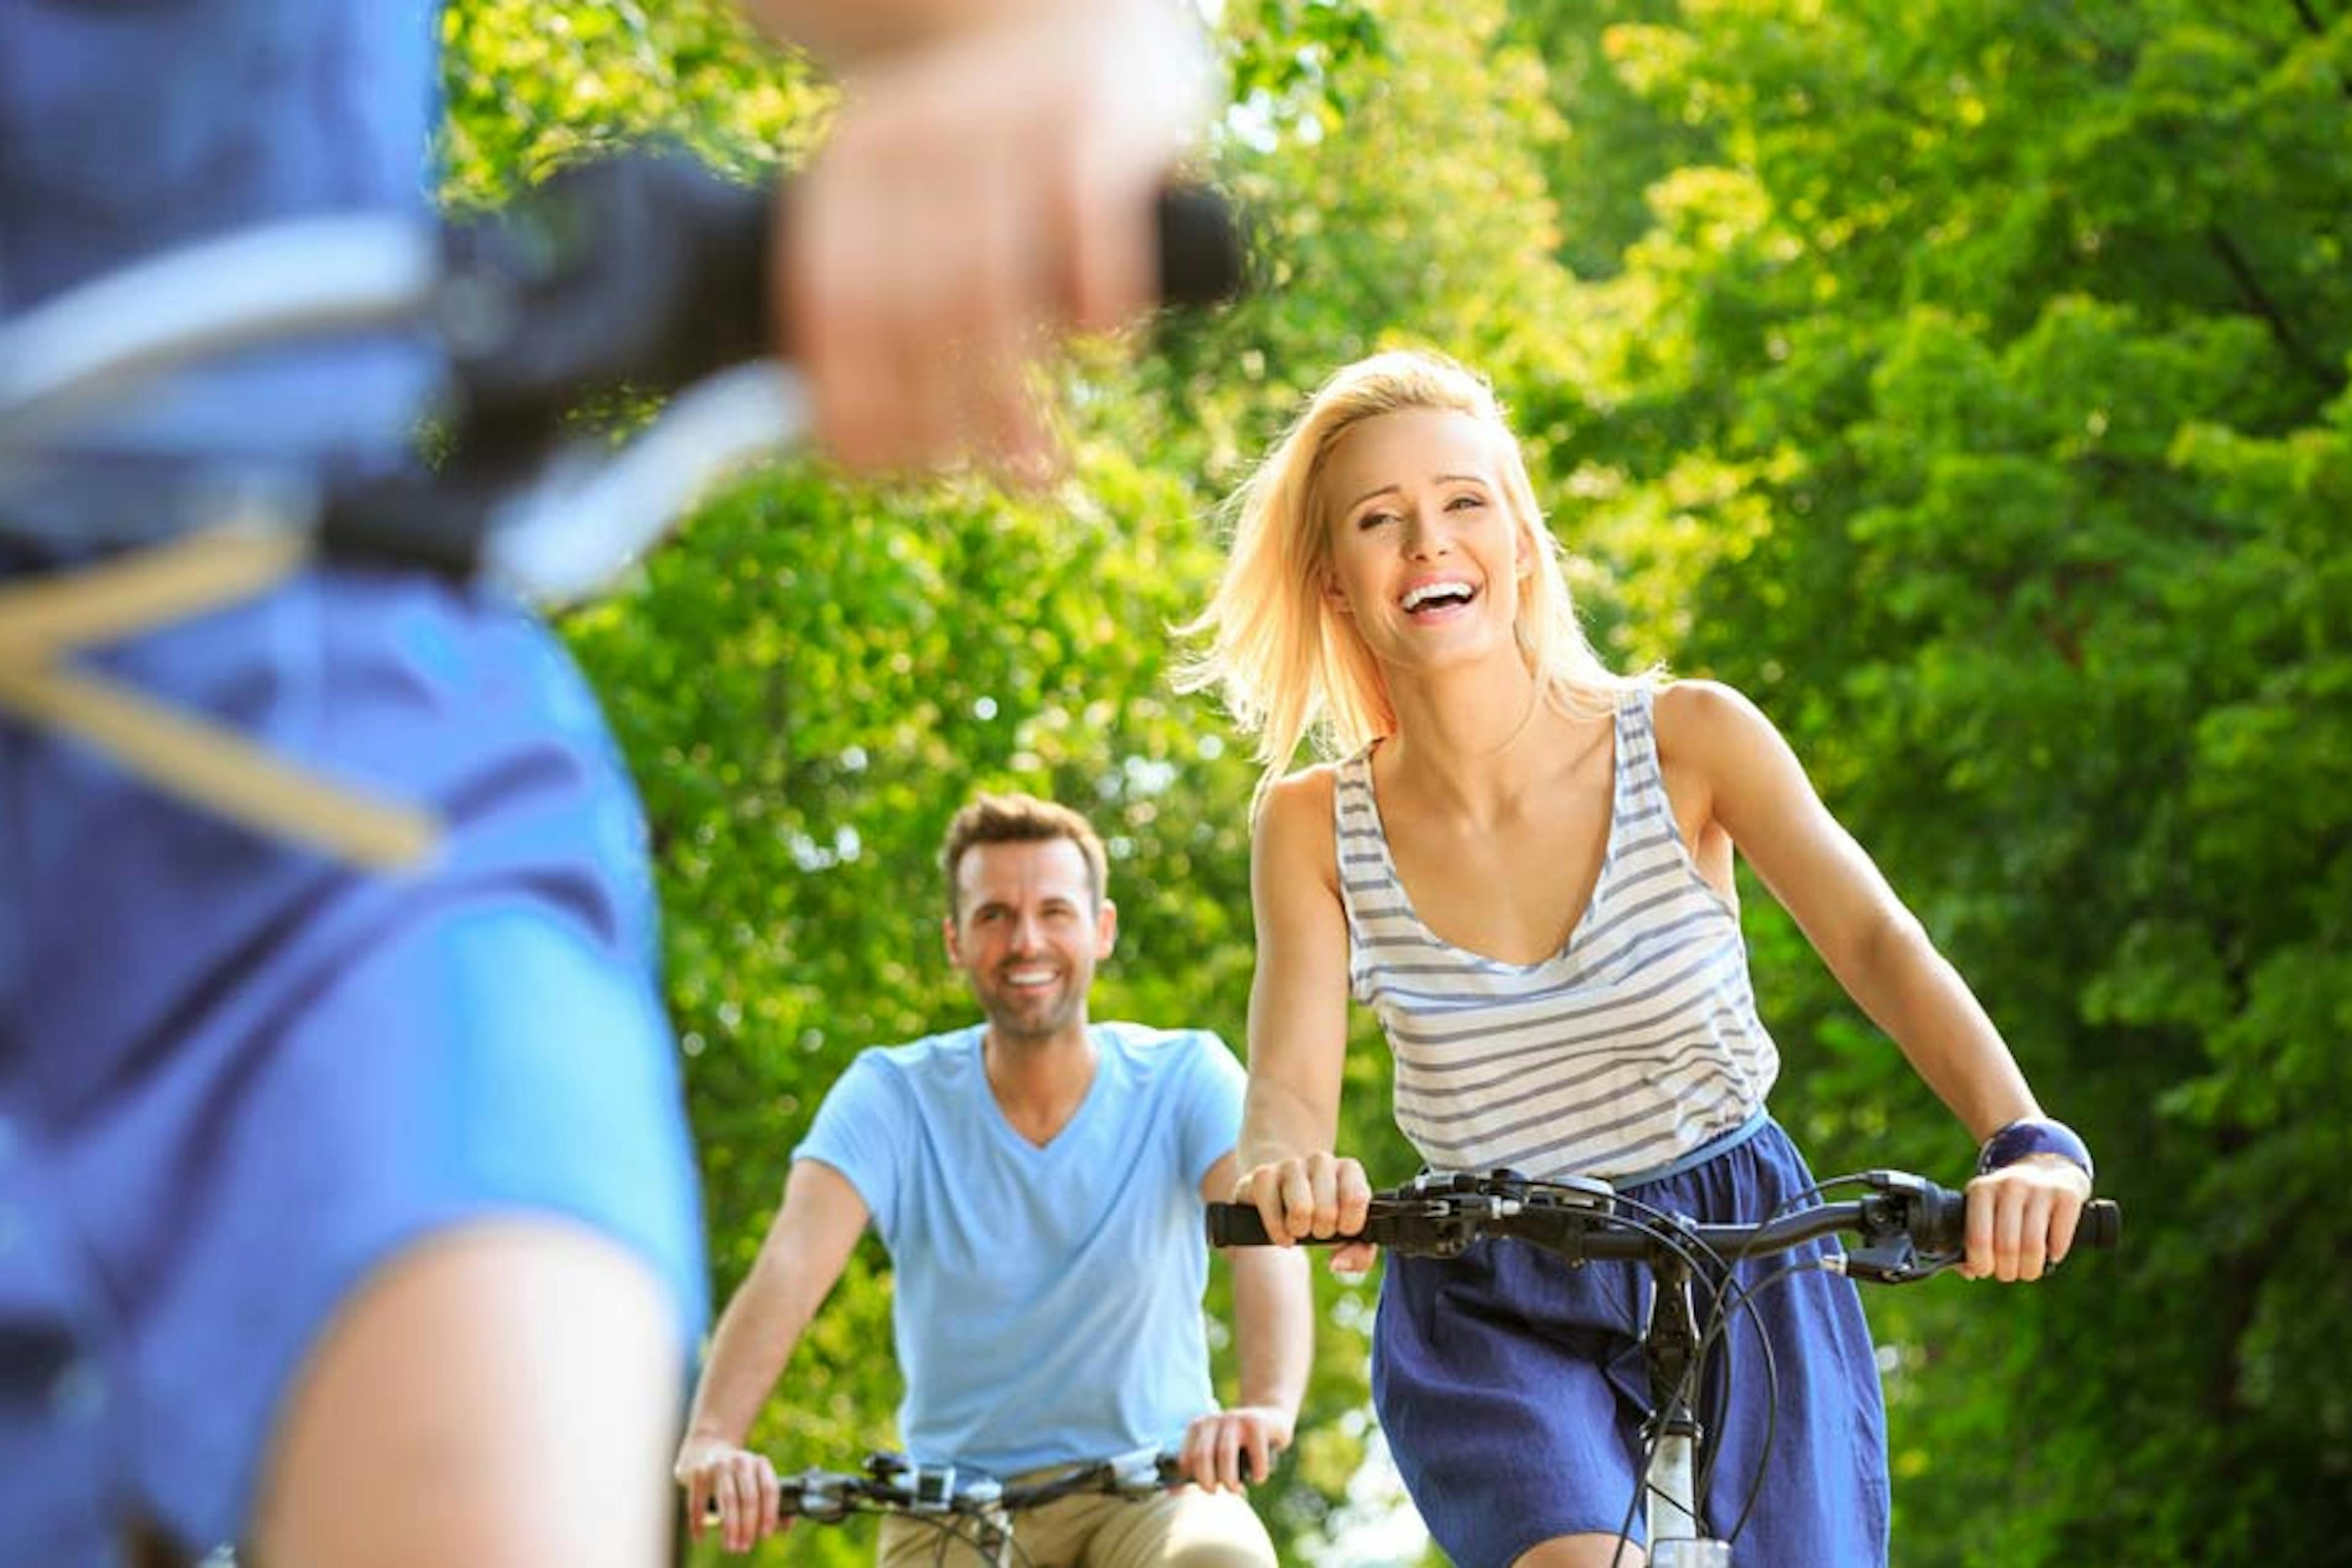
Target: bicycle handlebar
(645, 272)
(891, 1483)
(691, 292)
(1910, 1228)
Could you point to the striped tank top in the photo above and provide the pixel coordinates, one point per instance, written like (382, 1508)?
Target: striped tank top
(1632, 1045)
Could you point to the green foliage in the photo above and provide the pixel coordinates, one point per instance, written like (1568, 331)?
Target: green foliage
(533, 86)
(2001, 452)
(1966, 381)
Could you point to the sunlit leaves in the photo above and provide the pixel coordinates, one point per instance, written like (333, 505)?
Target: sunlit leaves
(532, 87)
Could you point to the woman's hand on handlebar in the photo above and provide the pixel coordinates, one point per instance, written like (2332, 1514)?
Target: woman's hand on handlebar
(741, 1484)
(2022, 1218)
(983, 190)
(1318, 1194)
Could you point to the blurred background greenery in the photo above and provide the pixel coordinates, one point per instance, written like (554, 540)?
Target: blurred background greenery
(1966, 380)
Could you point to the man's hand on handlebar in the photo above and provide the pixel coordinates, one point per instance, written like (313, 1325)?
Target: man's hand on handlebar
(738, 1484)
(1313, 1196)
(1232, 1450)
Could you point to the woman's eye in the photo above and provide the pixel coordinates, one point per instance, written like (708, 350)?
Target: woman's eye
(1375, 519)
(1463, 502)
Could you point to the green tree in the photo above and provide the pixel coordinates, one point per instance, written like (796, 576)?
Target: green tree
(1995, 445)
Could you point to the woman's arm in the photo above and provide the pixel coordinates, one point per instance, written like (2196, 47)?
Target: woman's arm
(1714, 742)
(1298, 1024)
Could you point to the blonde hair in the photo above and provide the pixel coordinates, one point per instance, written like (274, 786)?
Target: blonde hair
(1287, 664)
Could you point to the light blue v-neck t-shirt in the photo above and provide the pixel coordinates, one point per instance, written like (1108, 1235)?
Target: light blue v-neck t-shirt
(1047, 1300)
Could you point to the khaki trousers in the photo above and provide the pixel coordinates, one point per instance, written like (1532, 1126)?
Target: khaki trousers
(1186, 1527)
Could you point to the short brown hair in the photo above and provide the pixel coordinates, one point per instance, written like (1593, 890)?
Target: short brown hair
(1016, 818)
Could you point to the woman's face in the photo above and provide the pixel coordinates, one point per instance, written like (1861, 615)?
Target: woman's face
(1424, 552)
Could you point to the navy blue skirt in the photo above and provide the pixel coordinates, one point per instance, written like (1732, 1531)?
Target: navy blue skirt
(1511, 1390)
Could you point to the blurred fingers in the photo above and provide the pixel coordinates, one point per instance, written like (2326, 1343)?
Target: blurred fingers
(2033, 1220)
(2065, 1214)
(1194, 1455)
(743, 1508)
(1355, 1196)
(771, 1498)
(1229, 1451)
(1978, 1261)
(1323, 1184)
(1296, 1215)
(2007, 1226)
(1257, 1456)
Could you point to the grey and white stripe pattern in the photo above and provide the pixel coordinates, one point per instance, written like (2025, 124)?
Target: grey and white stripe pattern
(1632, 1045)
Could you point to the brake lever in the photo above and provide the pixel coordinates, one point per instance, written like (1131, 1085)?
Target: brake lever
(1906, 1210)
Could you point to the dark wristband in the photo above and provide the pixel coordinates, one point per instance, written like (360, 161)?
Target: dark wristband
(2033, 1135)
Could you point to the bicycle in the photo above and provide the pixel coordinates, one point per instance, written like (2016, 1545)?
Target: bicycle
(1909, 1229)
(968, 1508)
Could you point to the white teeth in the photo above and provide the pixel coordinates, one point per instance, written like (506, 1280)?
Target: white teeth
(1429, 593)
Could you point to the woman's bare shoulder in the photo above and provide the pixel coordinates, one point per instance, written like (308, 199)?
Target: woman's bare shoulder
(1298, 799)
(1295, 827)
(1693, 717)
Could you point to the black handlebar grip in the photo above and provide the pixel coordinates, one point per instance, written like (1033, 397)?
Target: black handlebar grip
(1943, 1223)
(1943, 1226)
(1201, 248)
(2101, 1225)
(646, 270)
(1237, 1224)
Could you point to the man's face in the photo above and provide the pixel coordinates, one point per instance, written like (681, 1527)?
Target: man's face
(1027, 933)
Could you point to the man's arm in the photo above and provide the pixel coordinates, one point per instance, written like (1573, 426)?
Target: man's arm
(806, 1248)
(1274, 1338)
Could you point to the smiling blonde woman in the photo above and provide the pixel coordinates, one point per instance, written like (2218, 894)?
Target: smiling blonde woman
(1523, 864)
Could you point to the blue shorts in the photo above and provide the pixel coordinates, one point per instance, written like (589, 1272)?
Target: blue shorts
(1511, 1391)
(236, 1077)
